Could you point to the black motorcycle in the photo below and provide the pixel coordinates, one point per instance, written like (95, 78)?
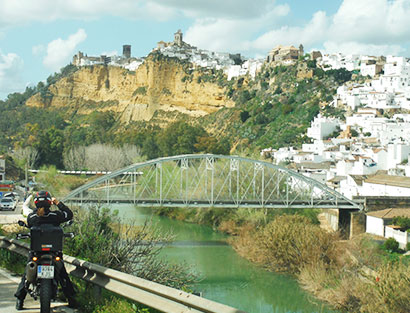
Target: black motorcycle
(45, 262)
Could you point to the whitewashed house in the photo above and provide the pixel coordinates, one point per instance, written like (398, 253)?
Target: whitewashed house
(386, 185)
(351, 186)
(284, 154)
(363, 165)
(380, 223)
(396, 154)
(321, 127)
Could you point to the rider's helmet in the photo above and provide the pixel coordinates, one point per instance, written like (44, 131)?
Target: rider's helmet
(42, 199)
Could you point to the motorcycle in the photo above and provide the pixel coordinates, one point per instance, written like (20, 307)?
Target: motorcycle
(45, 262)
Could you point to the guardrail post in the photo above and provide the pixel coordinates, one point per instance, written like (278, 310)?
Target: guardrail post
(97, 292)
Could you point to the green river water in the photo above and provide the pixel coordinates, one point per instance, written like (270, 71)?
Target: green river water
(227, 277)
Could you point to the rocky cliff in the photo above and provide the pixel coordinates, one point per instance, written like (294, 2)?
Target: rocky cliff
(159, 84)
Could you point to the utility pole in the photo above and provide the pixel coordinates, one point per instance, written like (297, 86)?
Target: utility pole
(26, 181)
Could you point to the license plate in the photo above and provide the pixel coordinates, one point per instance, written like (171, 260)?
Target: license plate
(45, 271)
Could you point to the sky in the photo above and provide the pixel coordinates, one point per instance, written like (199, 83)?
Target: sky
(39, 37)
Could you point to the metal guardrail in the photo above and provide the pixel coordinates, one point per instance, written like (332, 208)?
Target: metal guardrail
(151, 294)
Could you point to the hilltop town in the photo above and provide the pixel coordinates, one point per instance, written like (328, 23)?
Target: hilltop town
(233, 65)
(364, 150)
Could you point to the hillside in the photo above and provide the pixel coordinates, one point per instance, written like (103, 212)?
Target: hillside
(167, 107)
(159, 84)
(276, 108)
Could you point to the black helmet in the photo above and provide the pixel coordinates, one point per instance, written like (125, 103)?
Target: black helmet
(42, 199)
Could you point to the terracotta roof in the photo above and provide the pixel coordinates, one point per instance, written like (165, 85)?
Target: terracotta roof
(315, 166)
(382, 179)
(390, 213)
(358, 179)
(337, 179)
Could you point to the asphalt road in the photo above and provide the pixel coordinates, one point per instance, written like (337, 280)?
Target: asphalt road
(10, 217)
(8, 286)
(10, 281)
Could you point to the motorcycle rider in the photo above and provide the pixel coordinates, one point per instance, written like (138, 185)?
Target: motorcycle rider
(43, 215)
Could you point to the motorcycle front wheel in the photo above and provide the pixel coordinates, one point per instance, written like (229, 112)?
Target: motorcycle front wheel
(45, 295)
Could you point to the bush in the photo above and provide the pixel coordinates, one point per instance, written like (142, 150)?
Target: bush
(403, 222)
(244, 115)
(389, 291)
(292, 242)
(391, 244)
(408, 246)
(102, 238)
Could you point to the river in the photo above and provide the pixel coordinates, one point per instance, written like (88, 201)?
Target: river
(227, 277)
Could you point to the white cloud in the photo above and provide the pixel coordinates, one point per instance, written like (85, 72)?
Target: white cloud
(22, 12)
(352, 47)
(365, 26)
(38, 50)
(372, 21)
(313, 32)
(59, 51)
(232, 9)
(11, 67)
(110, 53)
(233, 34)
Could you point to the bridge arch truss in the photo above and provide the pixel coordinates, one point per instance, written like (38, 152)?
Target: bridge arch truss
(206, 180)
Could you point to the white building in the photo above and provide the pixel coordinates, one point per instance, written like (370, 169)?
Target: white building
(396, 154)
(284, 154)
(322, 127)
(386, 185)
(380, 223)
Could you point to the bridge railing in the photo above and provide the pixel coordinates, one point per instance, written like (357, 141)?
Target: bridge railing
(151, 294)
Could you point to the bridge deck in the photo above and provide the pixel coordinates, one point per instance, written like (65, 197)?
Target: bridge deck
(325, 204)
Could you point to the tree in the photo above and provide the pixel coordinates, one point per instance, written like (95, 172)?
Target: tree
(244, 115)
(27, 156)
(50, 147)
(403, 222)
(212, 145)
(179, 138)
(101, 157)
(74, 158)
(150, 148)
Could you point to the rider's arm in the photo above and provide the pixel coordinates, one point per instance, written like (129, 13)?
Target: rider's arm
(31, 219)
(67, 214)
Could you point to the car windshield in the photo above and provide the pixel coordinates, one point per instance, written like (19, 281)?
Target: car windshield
(6, 200)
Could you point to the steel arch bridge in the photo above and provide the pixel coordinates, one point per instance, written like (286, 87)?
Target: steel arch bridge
(206, 180)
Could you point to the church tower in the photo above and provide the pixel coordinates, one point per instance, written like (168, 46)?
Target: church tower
(178, 38)
(301, 51)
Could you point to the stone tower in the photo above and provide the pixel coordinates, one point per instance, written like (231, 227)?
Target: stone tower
(178, 38)
(301, 52)
(126, 51)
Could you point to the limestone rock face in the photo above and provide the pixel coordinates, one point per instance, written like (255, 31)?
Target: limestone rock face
(155, 85)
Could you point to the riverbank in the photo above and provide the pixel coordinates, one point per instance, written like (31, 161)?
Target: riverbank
(352, 276)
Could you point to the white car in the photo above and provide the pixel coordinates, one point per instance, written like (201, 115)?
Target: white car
(8, 204)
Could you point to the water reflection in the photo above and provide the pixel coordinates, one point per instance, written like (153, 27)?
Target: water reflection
(228, 278)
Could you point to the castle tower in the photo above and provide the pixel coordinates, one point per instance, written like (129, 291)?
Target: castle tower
(178, 38)
(301, 51)
(126, 51)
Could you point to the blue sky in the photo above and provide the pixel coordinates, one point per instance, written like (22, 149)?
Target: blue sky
(38, 37)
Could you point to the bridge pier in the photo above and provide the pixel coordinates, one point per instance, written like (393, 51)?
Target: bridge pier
(348, 222)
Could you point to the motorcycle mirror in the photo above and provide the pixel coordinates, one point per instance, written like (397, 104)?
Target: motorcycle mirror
(22, 223)
(70, 222)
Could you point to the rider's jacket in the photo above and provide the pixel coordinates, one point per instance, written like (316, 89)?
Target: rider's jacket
(53, 217)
